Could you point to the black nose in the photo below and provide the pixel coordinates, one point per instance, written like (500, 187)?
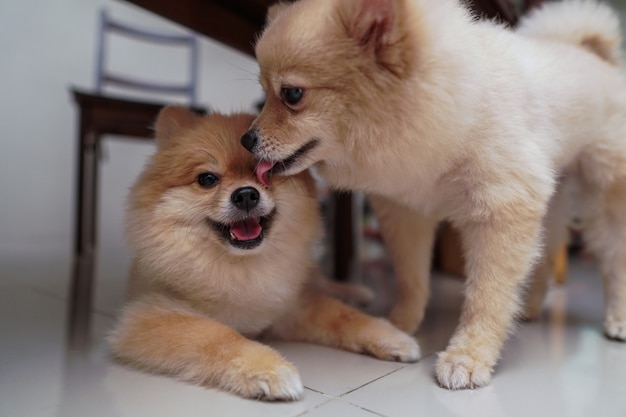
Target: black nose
(249, 140)
(245, 198)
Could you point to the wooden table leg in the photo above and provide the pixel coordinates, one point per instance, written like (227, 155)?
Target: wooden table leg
(81, 285)
(343, 235)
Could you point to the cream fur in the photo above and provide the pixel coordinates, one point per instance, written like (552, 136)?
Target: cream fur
(196, 301)
(445, 117)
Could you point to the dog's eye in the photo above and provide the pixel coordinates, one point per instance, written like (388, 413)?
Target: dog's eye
(207, 179)
(291, 95)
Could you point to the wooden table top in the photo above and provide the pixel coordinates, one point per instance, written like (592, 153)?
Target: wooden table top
(237, 23)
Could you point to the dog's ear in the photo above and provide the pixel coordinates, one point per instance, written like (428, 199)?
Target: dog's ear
(171, 120)
(379, 28)
(274, 10)
(367, 20)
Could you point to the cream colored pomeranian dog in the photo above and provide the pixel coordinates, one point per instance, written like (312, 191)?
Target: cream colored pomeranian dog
(441, 116)
(221, 259)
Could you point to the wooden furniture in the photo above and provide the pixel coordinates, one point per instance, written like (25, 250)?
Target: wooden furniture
(107, 76)
(237, 23)
(98, 115)
(102, 114)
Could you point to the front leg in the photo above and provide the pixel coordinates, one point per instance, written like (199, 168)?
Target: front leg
(324, 320)
(166, 336)
(499, 256)
(409, 239)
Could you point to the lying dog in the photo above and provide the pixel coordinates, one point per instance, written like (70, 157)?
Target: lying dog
(221, 259)
(441, 116)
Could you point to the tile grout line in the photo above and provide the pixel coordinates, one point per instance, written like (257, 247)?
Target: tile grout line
(330, 399)
(366, 410)
(370, 382)
(376, 379)
(335, 398)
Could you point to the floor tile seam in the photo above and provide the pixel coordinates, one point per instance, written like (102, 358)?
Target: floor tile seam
(379, 378)
(366, 409)
(370, 382)
(330, 399)
(339, 396)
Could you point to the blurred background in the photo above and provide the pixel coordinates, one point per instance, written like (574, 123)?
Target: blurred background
(46, 48)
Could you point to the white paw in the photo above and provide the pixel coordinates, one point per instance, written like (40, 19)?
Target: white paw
(261, 373)
(280, 384)
(388, 343)
(460, 371)
(615, 329)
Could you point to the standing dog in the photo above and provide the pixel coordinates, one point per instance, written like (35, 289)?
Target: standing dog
(221, 259)
(442, 116)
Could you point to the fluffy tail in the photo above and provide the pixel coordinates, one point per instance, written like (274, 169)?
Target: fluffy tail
(586, 23)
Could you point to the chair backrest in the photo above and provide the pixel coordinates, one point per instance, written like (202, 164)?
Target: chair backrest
(104, 76)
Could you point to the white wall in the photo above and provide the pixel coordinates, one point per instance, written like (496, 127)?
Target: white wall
(46, 47)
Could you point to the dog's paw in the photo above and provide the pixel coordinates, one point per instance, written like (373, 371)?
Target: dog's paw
(459, 371)
(264, 375)
(615, 329)
(384, 341)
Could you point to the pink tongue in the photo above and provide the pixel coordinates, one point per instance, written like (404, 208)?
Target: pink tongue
(263, 172)
(246, 230)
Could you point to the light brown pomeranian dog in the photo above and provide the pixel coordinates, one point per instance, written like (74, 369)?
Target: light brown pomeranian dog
(440, 116)
(221, 259)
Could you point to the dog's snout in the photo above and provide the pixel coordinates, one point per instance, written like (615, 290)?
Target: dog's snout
(249, 140)
(245, 198)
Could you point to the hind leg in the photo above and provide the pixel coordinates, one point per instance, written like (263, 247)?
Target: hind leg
(555, 226)
(409, 239)
(605, 234)
(324, 320)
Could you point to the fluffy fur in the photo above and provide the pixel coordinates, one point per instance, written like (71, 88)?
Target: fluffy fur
(440, 116)
(221, 259)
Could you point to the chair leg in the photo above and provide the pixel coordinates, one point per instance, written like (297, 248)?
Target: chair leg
(81, 285)
(343, 248)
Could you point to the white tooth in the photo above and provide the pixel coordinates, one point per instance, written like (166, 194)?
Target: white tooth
(232, 236)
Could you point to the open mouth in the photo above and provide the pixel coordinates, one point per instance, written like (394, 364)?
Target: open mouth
(246, 233)
(266, 168)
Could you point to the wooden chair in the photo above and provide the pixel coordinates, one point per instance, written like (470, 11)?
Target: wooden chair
(102, 114)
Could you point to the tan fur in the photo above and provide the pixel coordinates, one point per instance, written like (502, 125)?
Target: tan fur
(441, 116)
(196, 300)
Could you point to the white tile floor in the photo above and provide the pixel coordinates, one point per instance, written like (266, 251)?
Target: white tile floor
(560, 366)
